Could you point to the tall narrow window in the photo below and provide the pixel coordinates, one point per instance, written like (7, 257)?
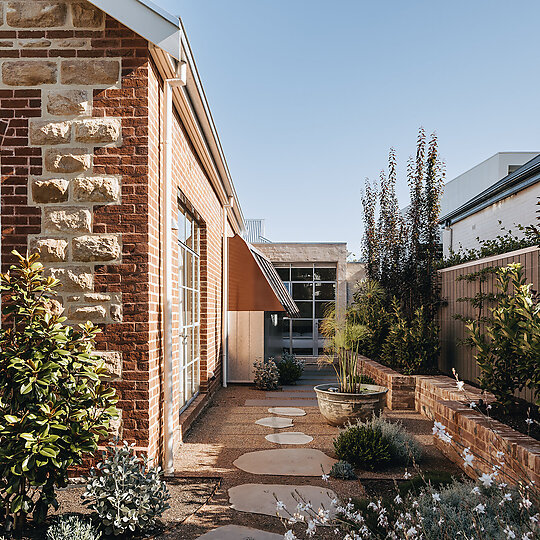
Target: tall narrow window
(189, 306)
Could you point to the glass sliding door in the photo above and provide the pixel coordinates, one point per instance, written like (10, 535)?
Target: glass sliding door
(313, 288)
(189, 292)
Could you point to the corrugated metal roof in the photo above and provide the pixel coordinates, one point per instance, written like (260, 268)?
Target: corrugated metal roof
(254, 233)
(527, 175)
(275, 282)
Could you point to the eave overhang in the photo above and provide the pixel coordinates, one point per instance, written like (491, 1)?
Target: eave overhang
(527, 175)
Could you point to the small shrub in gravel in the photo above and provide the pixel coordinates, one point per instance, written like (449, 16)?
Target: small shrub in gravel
(290, 368)
(404, 448)
(363, 446)
(127, 495)
(72, 528)
(266, 375)
(343, 471)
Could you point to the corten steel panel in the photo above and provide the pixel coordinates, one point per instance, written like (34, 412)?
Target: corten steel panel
(249, 288)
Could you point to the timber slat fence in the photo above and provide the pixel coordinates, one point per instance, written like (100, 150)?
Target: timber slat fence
(453, 331)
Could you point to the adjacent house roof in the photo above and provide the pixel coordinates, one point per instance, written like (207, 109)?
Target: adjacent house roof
(171, 47)
(522, 178)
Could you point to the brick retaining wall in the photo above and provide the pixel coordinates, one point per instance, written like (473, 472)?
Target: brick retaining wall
(438, 398)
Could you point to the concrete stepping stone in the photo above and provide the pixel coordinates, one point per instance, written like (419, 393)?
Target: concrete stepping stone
(286, 462)
(261, 498)
(235, 532)
(289, 437)
(275, 422)
(287, 411)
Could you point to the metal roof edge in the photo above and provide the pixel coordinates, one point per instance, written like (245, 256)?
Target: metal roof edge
(148, 20)
(522, 178)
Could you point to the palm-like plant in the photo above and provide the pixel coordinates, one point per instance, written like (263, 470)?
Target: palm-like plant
(343, 338)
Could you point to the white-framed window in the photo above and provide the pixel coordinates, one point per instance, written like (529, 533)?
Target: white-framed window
(189, 305)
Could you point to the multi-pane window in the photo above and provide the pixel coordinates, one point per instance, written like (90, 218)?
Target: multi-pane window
(313, 288)
(189, 305)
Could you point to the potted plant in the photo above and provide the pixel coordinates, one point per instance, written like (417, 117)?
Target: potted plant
(354, 396)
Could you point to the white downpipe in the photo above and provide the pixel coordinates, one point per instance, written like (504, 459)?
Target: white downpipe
(225, 295)
(168, 408)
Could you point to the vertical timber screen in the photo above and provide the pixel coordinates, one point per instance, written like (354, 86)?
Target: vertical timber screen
(453, 352)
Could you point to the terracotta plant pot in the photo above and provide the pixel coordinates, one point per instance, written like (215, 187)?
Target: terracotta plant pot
(339, 408)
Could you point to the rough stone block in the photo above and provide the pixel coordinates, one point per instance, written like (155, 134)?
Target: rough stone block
(44, 132)
(86, 16)
(34, 43)
(98, 130)
(67, 219)
(95, 313)
(36, 14)
(50, 249)
(28, 72)
(113, 362)
(50, 191)
(92, 72)
(96, 248)
(54, 307)
(69, 160)
(97, 297)
(73, 279)
(96, 189)
(116, 312)
(68, 103)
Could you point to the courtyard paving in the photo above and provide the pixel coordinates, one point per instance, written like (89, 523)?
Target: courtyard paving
(231, 431)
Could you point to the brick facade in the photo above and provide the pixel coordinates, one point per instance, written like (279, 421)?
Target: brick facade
(81, 129)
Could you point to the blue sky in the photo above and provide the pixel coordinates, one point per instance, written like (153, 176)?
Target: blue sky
(309, 95)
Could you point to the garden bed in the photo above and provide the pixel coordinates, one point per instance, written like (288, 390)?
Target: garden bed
(187, 496)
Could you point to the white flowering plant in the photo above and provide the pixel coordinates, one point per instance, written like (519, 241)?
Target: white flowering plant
(502, 503)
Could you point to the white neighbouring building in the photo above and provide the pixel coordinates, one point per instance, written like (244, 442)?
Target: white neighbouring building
(502, 191)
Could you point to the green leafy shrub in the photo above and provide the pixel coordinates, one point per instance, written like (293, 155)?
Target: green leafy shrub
(54, 400)
(369, 310)
(266, 375)
(508, 344)
(72, 528)
(290, 368)
(404, 448)
(362, 446)
(412, 346)
(343, 470)
(126, 494)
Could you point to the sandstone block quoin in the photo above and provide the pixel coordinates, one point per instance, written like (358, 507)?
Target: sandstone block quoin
(68, 103)
(98, 130)
(36, 14)
(113, 362)
(28, 73)
(86, 16)
(87, 313)
(67, 219)
(50, 249)
(91, 72)
(70, 160)
(96, 189)
(96, 248)
(43, 132)
(73, 279)
(50, 191)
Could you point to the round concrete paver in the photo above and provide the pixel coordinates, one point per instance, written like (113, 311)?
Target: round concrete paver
(235, 532)
(275, 422)
(286, 462)
(289, 437)
(261, 498)
(287, 411)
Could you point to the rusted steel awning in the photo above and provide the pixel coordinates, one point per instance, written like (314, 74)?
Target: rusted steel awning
(254, 284)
